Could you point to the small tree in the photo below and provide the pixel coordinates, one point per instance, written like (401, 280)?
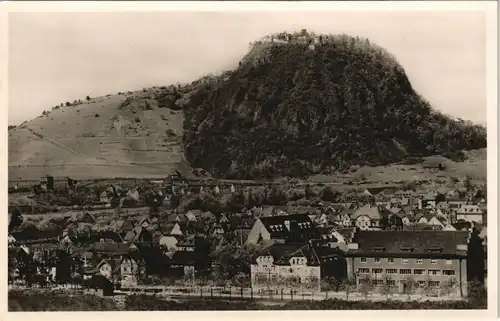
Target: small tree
(348, 286)
(448, 286)
(387, 288)
(410, 286)
(366, 286)
(427, 288)
(87, 98)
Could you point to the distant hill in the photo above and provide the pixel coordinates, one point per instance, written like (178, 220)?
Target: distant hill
(134, 134)
(303, 104)
(297, 105)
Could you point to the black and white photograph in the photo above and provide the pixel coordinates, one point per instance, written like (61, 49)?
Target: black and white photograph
(246, 157)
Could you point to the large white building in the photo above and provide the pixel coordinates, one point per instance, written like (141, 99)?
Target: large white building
(290, 266)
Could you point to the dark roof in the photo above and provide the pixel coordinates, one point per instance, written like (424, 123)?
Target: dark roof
(184, 258)
(112, 248)
(299, 223)
(282, 253)
(377, 190)
(372, 211)
(347, 232)
(410, 242)
(107, 235)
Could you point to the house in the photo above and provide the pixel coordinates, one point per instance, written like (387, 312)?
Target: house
(452, 194)
(216, 229)
(332, 262)
(377, 192)
(320, 219)
(396, 221)
(344, 220)
(192, 217)
(170, 228)
(456, 204)
(104, 197)
(399, 194)
(188, 244)
(109, 268)
(295, 265)
(428, 201)
(462, 225)
(144, 222)
(331, 238)
(183, 264)
(130, 272)
(286, 228)
(223, 219)
(367, 217)
(168, 242)
(112, 249)
(11, 240)
(438, 221)
(139, 235)
(471, 213)
(431, 258)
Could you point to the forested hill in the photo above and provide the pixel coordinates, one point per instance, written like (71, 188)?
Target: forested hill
(302, 104)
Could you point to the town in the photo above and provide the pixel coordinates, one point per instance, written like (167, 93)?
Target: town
(286, 241)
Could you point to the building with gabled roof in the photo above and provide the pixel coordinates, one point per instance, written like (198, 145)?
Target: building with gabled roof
(286, 228)
(431, 258)
(367, 217)
(294, 264)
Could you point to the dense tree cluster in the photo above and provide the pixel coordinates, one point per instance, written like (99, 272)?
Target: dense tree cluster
(297, 110)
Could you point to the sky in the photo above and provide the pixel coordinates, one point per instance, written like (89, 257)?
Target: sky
(59, 57)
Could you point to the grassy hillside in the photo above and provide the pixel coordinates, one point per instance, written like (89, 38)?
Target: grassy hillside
(123, 135)
(297, 108)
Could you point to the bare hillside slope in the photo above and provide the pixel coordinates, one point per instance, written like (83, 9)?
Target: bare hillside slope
(124, 135)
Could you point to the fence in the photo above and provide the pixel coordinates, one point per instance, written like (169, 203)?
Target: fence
(238, 293)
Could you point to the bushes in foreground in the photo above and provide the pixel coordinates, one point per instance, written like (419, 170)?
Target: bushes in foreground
(56, 301)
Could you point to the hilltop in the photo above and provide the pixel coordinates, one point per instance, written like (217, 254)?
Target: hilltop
(300, 105)
(297, 105)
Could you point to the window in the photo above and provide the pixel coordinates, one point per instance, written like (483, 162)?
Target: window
(363, 270)
(391, 282)
(377, 271)
(391, 260)
(448, 262)
(363, 260)
(376, 260)
(434, 283)
(434, 261)
(419, 272)
(449, 272)
(391, 271)
(377, 282)
(404, 261)
(421, 283)
(404, 271)
(420, 261)
(434, 272)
